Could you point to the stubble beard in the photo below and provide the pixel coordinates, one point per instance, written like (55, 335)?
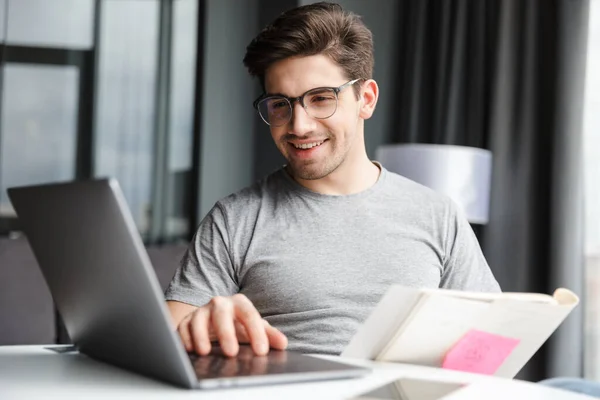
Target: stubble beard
(316, 169)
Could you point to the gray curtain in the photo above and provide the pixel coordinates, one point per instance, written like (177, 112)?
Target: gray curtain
(508, 75)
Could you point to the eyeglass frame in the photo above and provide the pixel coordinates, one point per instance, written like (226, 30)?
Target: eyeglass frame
(300, 99)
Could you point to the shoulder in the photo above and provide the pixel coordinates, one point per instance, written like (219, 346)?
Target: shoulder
(408, 192)
(248, 200)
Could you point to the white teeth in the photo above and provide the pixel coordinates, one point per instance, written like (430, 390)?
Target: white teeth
(308, 145)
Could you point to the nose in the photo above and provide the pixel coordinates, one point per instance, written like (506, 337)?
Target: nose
(301, 122)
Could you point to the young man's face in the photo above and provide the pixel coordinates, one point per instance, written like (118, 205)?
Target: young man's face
(332, 141)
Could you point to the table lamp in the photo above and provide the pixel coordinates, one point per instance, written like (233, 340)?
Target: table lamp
(462, 173)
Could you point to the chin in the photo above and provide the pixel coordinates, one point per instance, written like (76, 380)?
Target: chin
(309, 176)
(310, 173)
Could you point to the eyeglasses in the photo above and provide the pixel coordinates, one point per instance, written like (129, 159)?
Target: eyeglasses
(319, 103)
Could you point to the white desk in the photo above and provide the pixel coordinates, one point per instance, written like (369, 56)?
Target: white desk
(31, 372)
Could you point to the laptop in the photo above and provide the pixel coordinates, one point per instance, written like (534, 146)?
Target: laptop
(104, 286)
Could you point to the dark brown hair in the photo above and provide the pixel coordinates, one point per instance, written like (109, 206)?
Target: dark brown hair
(319, 28)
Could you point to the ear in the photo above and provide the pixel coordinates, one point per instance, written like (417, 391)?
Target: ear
(370, 93)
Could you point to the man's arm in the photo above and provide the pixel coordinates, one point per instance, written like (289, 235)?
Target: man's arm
(203, 297)
(230, 320)
(465, 267)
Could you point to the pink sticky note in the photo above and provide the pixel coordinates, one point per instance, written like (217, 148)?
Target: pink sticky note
(479, 352)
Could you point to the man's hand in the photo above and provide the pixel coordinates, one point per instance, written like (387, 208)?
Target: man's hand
(230, 320)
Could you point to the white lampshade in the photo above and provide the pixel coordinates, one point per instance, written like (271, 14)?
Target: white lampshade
(461, 173)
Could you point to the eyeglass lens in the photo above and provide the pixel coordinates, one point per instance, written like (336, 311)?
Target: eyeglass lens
(319, 103)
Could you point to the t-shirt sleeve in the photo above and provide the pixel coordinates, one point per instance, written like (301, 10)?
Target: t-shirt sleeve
(206, 269)
(465, 267)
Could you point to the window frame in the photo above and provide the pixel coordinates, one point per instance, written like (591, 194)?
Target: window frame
(84, 61)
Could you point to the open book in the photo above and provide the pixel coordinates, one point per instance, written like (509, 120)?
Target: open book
(490, 333)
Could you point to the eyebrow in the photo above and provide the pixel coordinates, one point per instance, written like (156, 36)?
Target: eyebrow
(277, 94)
(290, 97)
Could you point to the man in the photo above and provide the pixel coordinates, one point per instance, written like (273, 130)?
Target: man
(303, 256)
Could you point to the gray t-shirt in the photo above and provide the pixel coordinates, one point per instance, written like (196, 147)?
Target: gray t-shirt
(315, 265)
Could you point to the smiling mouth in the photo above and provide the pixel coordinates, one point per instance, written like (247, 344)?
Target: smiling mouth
(306, 146)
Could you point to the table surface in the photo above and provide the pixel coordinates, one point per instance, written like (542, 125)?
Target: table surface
(35, 372)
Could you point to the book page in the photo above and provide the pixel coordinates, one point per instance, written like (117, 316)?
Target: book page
(433, 329)
(420, 326)
(565, 297)
(489, 297)
(390, 313)
(531, 323)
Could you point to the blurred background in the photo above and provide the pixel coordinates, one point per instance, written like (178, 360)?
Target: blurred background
(154, 93)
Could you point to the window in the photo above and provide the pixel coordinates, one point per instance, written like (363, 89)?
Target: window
(591, 128)
(45, 23)
(183, 76)
(39, 126)
(129, 104)
(101, 88)
(126, 83)
(43, 111)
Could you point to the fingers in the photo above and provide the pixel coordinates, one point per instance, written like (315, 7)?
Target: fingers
(198, 330)
(221, 319)
(276, 338)
(241, 333)
(184, 332)
(193, 330)
(230, 320)
(248, 316)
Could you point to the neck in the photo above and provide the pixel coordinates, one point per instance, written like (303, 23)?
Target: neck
(352, 176)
